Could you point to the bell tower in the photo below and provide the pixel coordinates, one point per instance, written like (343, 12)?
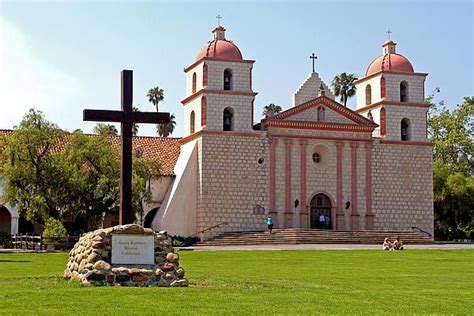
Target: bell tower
(219, 94)
(392, 94)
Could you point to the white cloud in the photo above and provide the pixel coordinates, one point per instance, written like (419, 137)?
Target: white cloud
(26, 81)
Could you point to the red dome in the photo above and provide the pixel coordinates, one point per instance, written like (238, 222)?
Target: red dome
(390, 62)
(220, 49)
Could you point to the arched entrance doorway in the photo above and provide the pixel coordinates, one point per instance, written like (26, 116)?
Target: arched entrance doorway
(320, 205)
(149, 217)
(5, 220)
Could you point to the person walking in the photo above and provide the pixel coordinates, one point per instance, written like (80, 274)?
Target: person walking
(270, 223)
(322, 221)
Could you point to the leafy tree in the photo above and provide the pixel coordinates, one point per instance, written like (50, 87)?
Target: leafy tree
(453, 202)
(30, 164)
(452, 134)
(69, 177)
(94, 171)
(270, 110)
(155, 95)
(166, 129)
(95, 178)
(105, 129)
(453, 172)
(344, 86)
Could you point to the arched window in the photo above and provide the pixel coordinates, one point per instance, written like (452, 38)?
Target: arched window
(383, 120)
(368, 95)
(194, 82)
(228, 79)
(191, 123)
(228, 119)
(321, 114)
(382, 87)
(204, 76)
(203, 111)
(405, 129)
(403, 91)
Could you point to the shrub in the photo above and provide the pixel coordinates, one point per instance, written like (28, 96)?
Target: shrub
(180, 241)
(5, 240)
(54, 228)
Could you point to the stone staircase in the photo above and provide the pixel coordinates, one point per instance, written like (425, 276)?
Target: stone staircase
(314, 236)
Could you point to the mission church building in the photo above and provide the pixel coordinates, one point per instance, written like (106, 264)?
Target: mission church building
(368, 169)
(364, 169)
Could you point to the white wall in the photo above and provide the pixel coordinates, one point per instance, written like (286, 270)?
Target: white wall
(177, 214)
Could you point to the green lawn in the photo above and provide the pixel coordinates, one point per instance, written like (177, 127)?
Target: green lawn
(257, 282)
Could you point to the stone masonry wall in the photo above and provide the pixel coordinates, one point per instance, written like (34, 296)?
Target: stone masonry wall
(311, 115)
(417, 117)
(320, 177)
(90, 261)
(240, 105)
(309, 90)
(416, 90)
(403, 187)
(240, 75)
(375, 88)
(198, 69)
(232, 182)
(193, 105)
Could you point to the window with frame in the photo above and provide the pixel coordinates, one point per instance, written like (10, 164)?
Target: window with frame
(192, 123)
(228, 119)
(228, 79)
(194, 83)
(403, 91)
(316, 157)
(321, 114)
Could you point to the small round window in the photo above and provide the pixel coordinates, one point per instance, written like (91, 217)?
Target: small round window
(316, 157)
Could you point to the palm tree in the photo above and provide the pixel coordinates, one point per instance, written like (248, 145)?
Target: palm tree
(135, 125)
(105, 129)
(155, 95)
(270, 110)
(166, 129)
(344, 86)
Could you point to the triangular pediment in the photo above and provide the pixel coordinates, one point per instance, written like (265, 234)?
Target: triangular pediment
(334, 113)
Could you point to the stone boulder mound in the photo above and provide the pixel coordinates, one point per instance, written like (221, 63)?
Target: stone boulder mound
(90, 261)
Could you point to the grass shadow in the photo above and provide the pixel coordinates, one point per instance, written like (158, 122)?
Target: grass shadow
(23, 261)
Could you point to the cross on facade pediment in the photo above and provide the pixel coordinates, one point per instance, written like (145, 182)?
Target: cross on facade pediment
(127, 118)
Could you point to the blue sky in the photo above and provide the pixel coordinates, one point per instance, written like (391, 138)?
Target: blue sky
(62, 57)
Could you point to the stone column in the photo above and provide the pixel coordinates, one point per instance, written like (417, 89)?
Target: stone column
(288, 204)
(303, 207)
(272, 206)
(339, 220)
(354, 211)
(369, 216)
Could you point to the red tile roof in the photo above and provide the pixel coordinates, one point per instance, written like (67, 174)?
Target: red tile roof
(164, 149)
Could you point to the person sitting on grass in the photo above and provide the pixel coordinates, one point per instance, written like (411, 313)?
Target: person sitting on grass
(387, 245)
(398, 244)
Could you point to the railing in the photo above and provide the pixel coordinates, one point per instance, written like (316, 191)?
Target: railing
(421, 230)
(209, 228)
(38, 242)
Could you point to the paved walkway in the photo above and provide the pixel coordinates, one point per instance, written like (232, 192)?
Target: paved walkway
(296, 247)
(328, 247)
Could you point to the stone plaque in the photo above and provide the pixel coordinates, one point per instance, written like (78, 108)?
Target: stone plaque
(133, 249)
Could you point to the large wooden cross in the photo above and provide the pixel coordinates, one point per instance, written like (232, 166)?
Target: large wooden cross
(126, 117)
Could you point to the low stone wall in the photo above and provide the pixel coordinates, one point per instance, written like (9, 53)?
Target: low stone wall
(90, 261)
